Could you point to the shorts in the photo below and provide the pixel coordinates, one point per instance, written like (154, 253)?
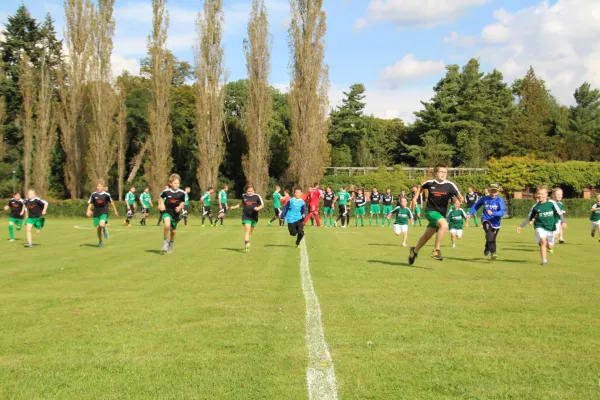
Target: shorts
(343, 209)
(457, 232)
(18, 222)
(359, 211)
(328, 211)
(174, 220)
(433, 217)
(277, 212)
(558, 228)
(223, 210)
(387, 209)
(375, 209)
(145, 211)
(418, 209)
(398, 229)
(130, 211)
(249, 222)
(541, 233)
(595, 225)
(184, 211)
(206, 211)
(38, 223)
(103, 217)
(314, 209)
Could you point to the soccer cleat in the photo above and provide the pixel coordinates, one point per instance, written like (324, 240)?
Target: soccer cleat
(203, 226)
(436, 255)
(100, 245)
(11, 240)
(403, 244)
(494, 256)
(28, 245)
(269, 223)
(550, 251)
(544, 262)
(335, 224)
(561, 241)
(105, 233)
(247, 247)
(453, 245)
(412, 255)
(486, 253)
(165, 245)
(298, 246)
(170, 248)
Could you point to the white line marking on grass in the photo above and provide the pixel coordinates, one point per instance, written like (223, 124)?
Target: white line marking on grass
(319, 372)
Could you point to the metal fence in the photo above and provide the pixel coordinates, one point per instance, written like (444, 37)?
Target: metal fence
(411, 172)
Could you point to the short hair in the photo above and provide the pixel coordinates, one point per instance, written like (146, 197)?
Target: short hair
(248, 186)
(375, 188)
(16, 193)
(277, 187)
(360, 190)
(542, 188)
(209, 188)
(286, 191)
(31, 190)
(131, 187)
(297, 188)
(174, 177)
(455, 199)
(225, 187)
(343, 186)
(556, 189)
(315, 184)
(146, 188)
(329, 187)
(100, 182)
(438, 167)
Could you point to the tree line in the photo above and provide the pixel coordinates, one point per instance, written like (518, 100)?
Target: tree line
(66, 121)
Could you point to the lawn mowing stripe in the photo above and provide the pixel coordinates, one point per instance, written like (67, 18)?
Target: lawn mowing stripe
(319, 373)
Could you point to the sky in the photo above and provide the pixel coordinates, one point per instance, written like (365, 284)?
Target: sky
(397, 48)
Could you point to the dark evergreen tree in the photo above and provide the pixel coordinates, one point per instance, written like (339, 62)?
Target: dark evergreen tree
(348, 125)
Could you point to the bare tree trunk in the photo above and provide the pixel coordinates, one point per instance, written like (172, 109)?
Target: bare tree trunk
(45, 132)
(259, 104)
(210, 95)
(2, 115)
(308, 91)
(71, 89)
(122, 142)
(27, 87)
(104, 104)
(136, 163)
(161, 134)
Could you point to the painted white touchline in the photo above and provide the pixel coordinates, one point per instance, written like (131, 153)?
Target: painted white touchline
(319, 372)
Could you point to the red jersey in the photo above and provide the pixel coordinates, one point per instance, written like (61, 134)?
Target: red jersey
(314, 197)
(284, 200)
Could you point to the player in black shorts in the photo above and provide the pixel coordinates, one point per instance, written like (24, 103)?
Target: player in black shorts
(252, 203)
(100, 201)
(170, 204)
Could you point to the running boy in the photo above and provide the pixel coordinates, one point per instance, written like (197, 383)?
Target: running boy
(206, 211)
(130, 204)
(557, 196)
(252, 203)
(388, 201)
(314, 197)
(222, 204)
(544, 214)
(100, 201)
(36, 211)
(343, 197)
(595, 217)
(146, 202)
(375, 207)
(494, 209)
(456, 218)
(294, 214)
(440, 192)
(471, 198)
(15, 217)
(170, 204)
(403, 216)
(328, 202)
(276, 205)
(359, 210)
(186, 205)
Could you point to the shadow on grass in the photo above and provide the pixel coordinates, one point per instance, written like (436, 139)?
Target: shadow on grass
(278, 245)
(234, 250)
(480, 259)
(87, 245)
(384, 245)
(396, 264)
(527, 249)
(157, 252)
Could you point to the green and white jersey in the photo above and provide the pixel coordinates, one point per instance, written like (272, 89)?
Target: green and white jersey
(456, 219)
(545, 215)
(595, 217)
(187, 199)
(206, 199)
(343, 198)
(130, 198)
(560, 207)
(223, 197)
(276, 200)
(145, 199)
(403, 215)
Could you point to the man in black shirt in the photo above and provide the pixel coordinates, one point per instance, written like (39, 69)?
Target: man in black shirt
(100, 201)
(170, 204)
(471, 198)
(441, 193)
(252, 203)
(388, 205)
(328, 202)
(15, 217)
(375, 207)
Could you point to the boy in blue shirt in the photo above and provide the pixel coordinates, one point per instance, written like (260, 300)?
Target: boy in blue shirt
(493, 211)
(294, 213)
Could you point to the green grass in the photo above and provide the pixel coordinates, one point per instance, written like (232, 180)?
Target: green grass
(210, 321)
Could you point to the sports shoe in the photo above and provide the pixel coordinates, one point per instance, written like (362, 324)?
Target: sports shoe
(486, 253)
(101, 244)
(28, 245)
(247, 247)
(11, 240)
(269, 223)
(550, 251)
(165, 245)
(436, 255)
(544, 262)
(593, 233)
(403, 244)
(203, 226)
(170, 248)
(344, 226)
(105, 230)
(494, 256)
(335, 224)
(561, 241)
(412, 255)
(453, 245)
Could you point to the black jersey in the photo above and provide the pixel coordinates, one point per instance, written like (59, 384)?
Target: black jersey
(388, 199)
(100, 200)
(375, 198)
(440, 194)
(249, 203)
(471, 199)
(173, 199)
(35, 207)
(16, 207)
(328, 199)
(359, 200)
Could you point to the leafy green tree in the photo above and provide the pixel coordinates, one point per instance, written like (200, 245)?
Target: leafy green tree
(348, 126)
(583, 134)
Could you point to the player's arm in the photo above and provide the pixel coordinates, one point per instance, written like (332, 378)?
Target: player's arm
(23, 208)
(302, 210)
(88, 213)
(285, 211)
(413, 202)
(475, 207)
(501, 212)
(396, 210)
(112, 203)
(45, 203)
(559, 214)
(529, 218)
(161, 204)
(412, 217)
(261, 205)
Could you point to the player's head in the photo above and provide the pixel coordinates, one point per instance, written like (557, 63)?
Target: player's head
(210, 189)
(486, 191)
(493, 189)
(31, 194)
(388, 190)
(403, 201)
(470, 189)
(249, 189)
(100, 185)
(598, 199)
(146, 190)
(440, 172)
(278, 189)
(456, 203)
(542, 193)
(344, 187)
(316, 185)
(286, 192)
(225, 188)
(298, 192)
(403, 193)
(359, 190)
(132, 189)
(375, 190)
(414, 187)
(17, 196)
(329, 189)
(557, 194)
(174, 181)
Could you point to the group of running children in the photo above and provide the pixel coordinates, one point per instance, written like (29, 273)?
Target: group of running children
(443, 212)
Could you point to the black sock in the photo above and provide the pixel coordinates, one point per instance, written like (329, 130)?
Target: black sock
(203, 219)
(210, 219)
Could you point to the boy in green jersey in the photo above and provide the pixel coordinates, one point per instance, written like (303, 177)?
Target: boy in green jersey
(375, 206)
(595, 217)
(186, 204)
(543, 215)
(557, 196)
(342, 198)
(222, 204)
(276, 205)
(130, 204)
(359, 203)
(403, 217)
(206, 210)
(15, 217)
(36, 212)
(146, 202)
(456, 218)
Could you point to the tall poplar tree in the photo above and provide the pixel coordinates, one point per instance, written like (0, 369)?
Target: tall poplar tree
(27, 86)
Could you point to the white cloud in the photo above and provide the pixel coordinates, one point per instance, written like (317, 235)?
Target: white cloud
(456, 40)
(559, 41)
(427, 13)
(360, 23)
(410, 68)
(120, 64)
(2, 28)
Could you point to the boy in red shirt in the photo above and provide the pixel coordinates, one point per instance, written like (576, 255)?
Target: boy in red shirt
(314, 197)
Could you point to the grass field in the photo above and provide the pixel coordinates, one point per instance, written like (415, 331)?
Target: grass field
(213, 322)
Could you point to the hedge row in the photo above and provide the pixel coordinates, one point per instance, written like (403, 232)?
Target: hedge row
(575, 208)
